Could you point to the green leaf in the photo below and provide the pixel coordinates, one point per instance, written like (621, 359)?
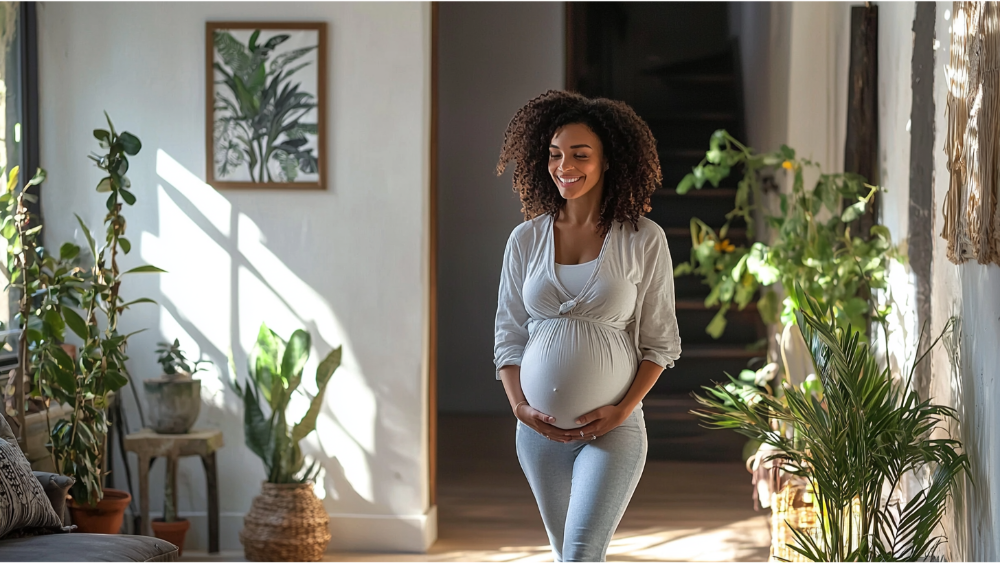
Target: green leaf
(130, 143)
(104, 185)
(718, 324)
(114, 380)
(686, 184)
(853, 212)
(37, 179)
(323, 375)
(767, 305)
(54, 322)
(257, 429)
(263, 360)
(102, 135)
(294, 359)
(86, 232)
(68, 251)
(127, 196)
(146, 269)
(138, 301)
(75, 322)
(125, 244)
(683, 269)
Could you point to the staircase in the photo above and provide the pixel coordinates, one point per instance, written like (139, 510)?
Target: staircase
(672, 62)
(698, 97)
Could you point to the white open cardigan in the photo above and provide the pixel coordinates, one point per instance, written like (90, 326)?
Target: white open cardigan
(639, 256)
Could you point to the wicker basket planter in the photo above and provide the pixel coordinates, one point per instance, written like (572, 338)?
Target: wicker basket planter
(285, 523)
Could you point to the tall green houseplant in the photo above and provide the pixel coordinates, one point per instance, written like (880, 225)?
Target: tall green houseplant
(100, 370)
(853, 440)
(275, 372)
(812, 244)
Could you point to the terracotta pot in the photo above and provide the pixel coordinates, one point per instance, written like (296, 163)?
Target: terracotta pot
(172, 532)
(104, 518)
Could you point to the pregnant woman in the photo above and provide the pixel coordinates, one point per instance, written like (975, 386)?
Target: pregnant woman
(585, 322)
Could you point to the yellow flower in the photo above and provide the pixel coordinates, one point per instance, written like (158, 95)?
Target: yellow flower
(787, 165)
(724, 246)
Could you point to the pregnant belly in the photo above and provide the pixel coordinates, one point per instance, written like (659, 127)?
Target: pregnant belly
(571, 367)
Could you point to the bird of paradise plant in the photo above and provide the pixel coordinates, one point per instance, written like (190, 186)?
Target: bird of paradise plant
(259, 115)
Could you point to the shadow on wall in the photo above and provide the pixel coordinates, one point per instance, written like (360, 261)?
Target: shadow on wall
(223, 282)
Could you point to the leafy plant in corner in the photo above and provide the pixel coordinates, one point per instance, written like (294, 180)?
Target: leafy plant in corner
(78, 443)
(853, 442)
(259, 116)
(275, 372)
(46, 288)
(836, 268)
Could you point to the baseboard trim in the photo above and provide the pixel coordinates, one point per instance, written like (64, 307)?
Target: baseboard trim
(350, 532)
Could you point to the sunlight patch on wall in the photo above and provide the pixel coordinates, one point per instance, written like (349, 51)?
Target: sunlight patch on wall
(267, 285)
(197, 244)
(205, 198)
(903, 332)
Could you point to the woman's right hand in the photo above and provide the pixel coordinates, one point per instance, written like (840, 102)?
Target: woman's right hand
(541, 423)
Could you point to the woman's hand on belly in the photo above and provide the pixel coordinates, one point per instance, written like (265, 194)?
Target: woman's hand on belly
(538, 421)
(600, 421)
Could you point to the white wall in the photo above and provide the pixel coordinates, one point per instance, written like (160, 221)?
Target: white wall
(963, 370)
(348, 263)
(494, 57)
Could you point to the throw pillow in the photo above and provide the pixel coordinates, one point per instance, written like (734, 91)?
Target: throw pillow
(23, 503)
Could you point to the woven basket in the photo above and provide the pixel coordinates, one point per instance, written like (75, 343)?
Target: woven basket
(791, 507)
(285, 523)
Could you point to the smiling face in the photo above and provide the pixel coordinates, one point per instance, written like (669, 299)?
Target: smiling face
(576, 160)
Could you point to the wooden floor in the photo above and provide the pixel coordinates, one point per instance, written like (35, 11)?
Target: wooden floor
(681, 511)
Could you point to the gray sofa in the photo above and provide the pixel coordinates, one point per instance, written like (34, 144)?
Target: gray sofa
(74, 546)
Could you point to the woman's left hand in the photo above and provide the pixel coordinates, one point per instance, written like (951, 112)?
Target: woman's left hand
(599, 422)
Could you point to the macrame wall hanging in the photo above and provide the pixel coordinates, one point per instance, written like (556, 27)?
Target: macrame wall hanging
(971, 211)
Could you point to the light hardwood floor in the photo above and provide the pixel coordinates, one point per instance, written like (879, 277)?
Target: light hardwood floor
(681, 511)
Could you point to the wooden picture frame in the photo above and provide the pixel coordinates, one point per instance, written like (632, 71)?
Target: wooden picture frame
(249, 65)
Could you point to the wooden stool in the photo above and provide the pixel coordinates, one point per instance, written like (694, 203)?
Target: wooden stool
(149, 445)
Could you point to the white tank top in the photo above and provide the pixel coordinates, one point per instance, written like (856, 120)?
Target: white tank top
(574, 276)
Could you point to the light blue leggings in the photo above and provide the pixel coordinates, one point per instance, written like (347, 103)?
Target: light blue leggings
(583, 487)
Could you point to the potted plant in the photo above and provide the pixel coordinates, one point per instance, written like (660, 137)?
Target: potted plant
(850, 440)
(175, 398)
(78, 444)
(812, 244)
(46, 288)
(286, 521)
(170, 527)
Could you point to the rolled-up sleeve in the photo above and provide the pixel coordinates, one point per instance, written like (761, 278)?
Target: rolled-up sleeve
(659, 339)
(512, 318)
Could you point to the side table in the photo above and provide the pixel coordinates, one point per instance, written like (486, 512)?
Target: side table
(149, 445)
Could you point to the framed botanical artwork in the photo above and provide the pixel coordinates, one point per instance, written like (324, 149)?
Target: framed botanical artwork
(265, 101)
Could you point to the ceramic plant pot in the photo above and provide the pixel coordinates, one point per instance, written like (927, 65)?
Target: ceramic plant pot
(174, 403)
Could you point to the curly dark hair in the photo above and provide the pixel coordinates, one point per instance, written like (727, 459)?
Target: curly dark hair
(629, 148)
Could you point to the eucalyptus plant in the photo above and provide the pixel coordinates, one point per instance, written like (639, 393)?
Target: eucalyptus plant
(260, 114)
(853, 440)
(837, 268)
(275, 372)
(100, 370)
